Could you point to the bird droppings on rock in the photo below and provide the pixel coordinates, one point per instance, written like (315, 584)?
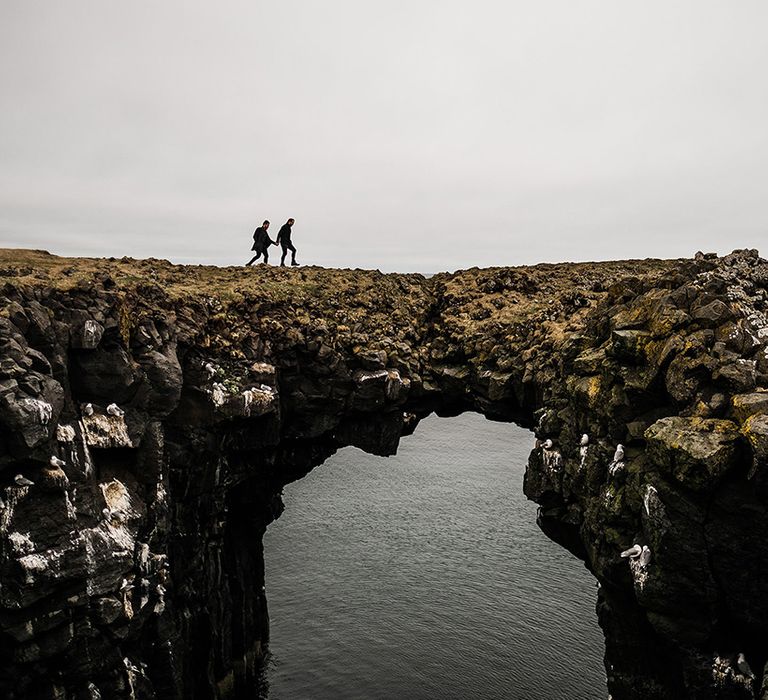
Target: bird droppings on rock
(65, 433)
(106, 431)
(40, 410)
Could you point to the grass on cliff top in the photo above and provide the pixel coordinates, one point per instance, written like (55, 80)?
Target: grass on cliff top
(473, 297)
(23, 267)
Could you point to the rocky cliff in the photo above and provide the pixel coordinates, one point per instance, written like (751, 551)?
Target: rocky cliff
(151, 414)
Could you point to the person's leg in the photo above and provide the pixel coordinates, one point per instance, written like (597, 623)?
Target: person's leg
(293, 254)
(285, 252)
(253, 259)
(265, 253)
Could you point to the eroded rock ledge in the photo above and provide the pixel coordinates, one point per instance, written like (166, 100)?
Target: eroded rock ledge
(135, 569)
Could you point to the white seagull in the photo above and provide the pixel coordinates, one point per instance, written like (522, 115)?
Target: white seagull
(744, 667)
(547, 444)
(21, 480)
(645, 556)
(88, 409)
(633, 552)
(584, 440)
(114, 410)
(619, 454)
(56, 462)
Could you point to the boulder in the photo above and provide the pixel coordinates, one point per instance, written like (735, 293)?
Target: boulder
(453, 380)
(370, 389)
(162, 388)
(372, 359)
(696, 452)
(30, 420)
(713, 314)
(498, 386)
(686, 375)
(263, 373)
(629, 345)
(104, 431)
(87, 335)
(590, 361)
(755, 429)
(739, 375)
(109, 375)
(746, 405)
(397, 387)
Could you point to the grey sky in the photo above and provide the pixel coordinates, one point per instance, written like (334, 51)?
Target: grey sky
(417, 135)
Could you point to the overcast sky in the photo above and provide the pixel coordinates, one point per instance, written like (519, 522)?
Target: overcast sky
(419, 135)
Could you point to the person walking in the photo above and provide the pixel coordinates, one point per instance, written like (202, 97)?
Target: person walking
(261, 243)
(284, 239)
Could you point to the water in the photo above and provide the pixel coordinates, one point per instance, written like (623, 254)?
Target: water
(425, 576)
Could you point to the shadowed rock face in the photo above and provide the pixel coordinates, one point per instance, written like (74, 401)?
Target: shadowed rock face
(135, 569)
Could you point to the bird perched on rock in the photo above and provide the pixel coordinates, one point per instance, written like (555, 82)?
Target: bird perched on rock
(547, 444)
(210, 369)
(743, 666)
(142, 558)
(125, 586)
(56, 462)
(618, 461)
(114, 410)
(21, 480)
(583, 449)
(645, 556)
(633, 552)
(88, 409)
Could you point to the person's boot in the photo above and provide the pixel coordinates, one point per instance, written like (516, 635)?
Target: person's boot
(294, 263)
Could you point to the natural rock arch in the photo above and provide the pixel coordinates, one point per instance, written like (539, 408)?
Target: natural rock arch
(143, 577)
(465, 579)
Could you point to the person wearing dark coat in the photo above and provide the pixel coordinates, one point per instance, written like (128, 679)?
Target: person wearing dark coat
(284, 239)
(261, 243)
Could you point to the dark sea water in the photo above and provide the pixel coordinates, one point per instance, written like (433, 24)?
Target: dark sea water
(425, 576)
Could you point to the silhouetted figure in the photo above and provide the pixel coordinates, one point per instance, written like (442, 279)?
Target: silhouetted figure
(284, 239)
(261, 243)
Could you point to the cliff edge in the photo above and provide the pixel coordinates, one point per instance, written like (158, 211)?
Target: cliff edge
(158, 411)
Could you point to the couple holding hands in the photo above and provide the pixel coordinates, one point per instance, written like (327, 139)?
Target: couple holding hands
(262, 241)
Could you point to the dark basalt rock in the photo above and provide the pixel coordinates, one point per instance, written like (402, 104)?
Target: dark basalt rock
(135, 570)
(696, 452)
